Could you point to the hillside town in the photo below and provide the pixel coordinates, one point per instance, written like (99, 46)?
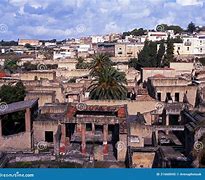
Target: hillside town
(122, 100)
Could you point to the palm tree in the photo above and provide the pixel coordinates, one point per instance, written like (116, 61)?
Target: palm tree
(99, 61)
(81, 64)
(108, 84)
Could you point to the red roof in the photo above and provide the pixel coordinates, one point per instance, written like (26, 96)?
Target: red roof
(2, 74)
(159, 76)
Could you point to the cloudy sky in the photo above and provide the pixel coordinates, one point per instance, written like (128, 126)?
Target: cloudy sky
(60, 19)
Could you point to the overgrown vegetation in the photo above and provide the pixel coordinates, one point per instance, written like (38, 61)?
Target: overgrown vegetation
(8, 43)
(108, 82)
(151, 56)
(72, 80)
(11, 66)
(12, 93)
(28, 66)
(163, 27)
(135, 32)
(82, 64)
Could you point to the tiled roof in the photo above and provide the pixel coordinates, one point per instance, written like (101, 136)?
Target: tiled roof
(159, 76)
(18, 106)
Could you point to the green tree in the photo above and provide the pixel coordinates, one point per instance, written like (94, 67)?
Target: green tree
(135, 32)
(177, 39)
(169, 55)
(191, 27)
(8, 43)
(133, 62)
(27, 66)
(160, 53)
(81, 64)
(138, 32)
(147, 57)
(162, 27)
(176, 29)
(11, 65)
(108, 84)
(28, 46)
(98, 62)
(72, 80)
(10, 94)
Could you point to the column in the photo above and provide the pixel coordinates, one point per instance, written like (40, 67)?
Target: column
(0, 128)
(167, 123)
(157, 136)
(93, 129)
(78, 128)
(28, 120)
(105, 137)
(83, 144)
(64, 140)
(57, 139)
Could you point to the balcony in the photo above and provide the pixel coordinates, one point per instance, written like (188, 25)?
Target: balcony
(187, 43)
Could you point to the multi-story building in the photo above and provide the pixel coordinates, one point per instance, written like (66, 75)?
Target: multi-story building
(97, 39)
(127, 49)
(64, 52)
(147, 72)
(32, 42)
(107, 48)
(172, 89)
(157, 36)
(191, 45)
(83, 47)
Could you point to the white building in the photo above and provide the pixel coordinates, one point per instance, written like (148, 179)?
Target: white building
(50, 43)
(64, 52)
(157, 36)
(192, 45)
(97, 39)
(62, 55)
(83, 47)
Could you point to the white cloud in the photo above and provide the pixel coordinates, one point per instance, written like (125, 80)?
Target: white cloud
(138, 14)
(58, 19)
(111, 27)
(32, 3)
(190, 2)
(169, 19)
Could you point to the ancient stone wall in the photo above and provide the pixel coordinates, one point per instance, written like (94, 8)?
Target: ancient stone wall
(39, 128)
(143, 159)
(37, 75)
(20, 141)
